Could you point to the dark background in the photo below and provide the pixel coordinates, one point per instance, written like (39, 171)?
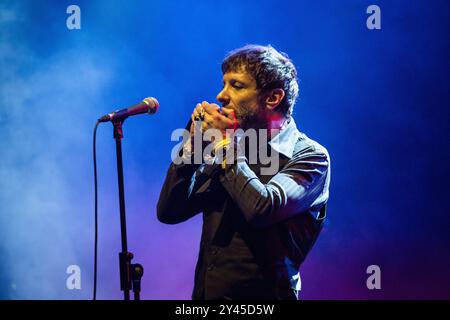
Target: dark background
(377, 99)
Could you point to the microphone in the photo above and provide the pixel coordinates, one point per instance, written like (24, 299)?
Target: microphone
(149, 105)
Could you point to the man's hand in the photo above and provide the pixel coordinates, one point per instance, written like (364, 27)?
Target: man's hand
(213, 118)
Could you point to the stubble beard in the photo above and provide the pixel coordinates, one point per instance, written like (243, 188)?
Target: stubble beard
(251, 119)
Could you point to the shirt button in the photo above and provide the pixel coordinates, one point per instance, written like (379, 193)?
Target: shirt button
(210, 267)
(215, 251)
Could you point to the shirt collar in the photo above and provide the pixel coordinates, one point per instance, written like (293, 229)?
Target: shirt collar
(284, 142)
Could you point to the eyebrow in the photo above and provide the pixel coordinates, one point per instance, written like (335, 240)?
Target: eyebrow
(232, 80)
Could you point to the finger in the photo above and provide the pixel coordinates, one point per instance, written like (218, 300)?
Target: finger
(215, 121)
(197, 109)
(209, 120)
(210, 108)
(205, 126)
(199, 112)
(232, 116)
(220, 120)
(215, 106)
(229, 113)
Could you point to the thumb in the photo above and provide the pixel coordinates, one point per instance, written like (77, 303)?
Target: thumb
(230, 114)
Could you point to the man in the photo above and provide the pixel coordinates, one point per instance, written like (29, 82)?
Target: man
(257, 228)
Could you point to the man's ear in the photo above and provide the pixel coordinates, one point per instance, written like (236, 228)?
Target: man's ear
(274, 98)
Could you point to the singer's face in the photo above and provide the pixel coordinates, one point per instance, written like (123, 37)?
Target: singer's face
(240, 94)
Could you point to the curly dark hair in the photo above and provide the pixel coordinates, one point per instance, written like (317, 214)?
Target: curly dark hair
(271, 70)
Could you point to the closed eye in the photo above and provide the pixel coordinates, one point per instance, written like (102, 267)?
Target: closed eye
(237, 85)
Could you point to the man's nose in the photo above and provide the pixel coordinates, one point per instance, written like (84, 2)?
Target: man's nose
(223, 98)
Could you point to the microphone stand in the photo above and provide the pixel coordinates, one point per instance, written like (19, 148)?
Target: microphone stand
(130, 274)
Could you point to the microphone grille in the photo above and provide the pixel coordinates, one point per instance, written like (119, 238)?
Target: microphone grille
(152, 103)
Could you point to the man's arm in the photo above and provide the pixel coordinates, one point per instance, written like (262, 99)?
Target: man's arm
(302, 184)
(176, 204)
(176, 201)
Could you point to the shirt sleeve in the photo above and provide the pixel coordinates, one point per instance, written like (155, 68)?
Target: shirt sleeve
(176, 202)
(300, 185)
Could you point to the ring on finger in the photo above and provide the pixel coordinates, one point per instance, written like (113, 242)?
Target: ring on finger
(202, 114)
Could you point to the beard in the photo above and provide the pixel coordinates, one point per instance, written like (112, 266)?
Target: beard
(249, 118)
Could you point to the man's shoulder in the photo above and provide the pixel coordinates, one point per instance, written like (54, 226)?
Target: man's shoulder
(306, 146)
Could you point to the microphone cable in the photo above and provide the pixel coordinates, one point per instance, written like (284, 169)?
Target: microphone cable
(94, 295)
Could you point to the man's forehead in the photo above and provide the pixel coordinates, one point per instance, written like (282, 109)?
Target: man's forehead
(238, 75)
